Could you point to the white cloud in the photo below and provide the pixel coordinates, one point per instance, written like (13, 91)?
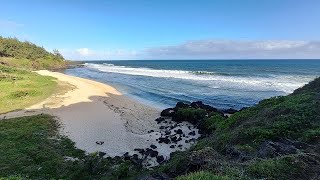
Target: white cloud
(84, 51)
(88, 54)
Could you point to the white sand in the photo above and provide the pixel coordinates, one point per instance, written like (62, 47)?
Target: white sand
(94, 111)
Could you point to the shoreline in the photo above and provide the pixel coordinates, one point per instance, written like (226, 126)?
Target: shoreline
(93, 111)
(98, 118)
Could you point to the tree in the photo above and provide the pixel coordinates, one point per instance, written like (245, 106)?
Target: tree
(57, 54)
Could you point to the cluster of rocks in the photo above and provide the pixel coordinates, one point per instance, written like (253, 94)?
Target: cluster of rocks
(172, 112)
(170, 137)
(173, 134)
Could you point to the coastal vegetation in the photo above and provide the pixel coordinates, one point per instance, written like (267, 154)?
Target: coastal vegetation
(19, 86)
(27, 55)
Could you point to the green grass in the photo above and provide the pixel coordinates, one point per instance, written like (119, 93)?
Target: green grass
(20, 88)
(296, 116)
(283, 167)
(31, 147)
(202, 175)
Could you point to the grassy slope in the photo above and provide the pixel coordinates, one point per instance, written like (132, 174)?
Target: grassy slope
(295, 117)
(20, 88)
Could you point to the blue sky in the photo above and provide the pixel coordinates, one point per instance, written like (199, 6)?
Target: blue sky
(164, 29)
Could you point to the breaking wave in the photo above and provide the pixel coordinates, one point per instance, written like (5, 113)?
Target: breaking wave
(283, 83)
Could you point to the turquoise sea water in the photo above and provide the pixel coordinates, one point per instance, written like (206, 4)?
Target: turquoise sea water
(220, 83)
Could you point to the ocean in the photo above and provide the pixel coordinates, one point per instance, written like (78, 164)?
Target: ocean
(220, 83)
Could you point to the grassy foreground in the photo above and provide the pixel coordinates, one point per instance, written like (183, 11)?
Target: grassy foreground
(32, 148)
(21, 88)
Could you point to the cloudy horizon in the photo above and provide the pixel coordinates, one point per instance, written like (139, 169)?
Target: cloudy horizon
(208, 49)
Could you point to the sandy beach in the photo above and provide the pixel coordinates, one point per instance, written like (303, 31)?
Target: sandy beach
(93, 112)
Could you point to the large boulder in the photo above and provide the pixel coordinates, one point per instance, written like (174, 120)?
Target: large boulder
(169, 112)
(181, 105)
(230, 111)
(199, 104)
(196, 104)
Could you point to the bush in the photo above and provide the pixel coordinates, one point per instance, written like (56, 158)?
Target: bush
(191, 115)
(285, 167)
(202, 175)
(215, 121)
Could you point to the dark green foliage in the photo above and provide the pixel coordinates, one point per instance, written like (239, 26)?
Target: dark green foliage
(277, 168)
(177, 164)
(12, 47)
(28, 55)
(215, 121)
(296, 116)
(297, 166)
(202, 175)
(190, 114)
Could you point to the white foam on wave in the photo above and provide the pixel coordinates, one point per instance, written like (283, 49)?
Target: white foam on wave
(284, 83)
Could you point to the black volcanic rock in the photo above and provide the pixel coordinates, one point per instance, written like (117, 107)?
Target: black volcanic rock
(181, 105)
(141, 151)
(126, 156)
(174, 139)
(167, 132)
(99, 142)
(164, 140)
(169, 112)
(135, 159)
(153, 146)
(199, 104)
(230, 111)
(151, 131)
(101, 154)
(179, 131)
(151, 152)
(160, 119)
(160, 159)
(196, 104)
